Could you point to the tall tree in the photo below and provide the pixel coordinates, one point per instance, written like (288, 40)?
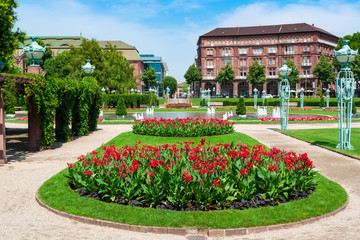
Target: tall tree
(185, 87)
(9, 39)
(193, 75)
(226, 75)
(149, 76)
(256, 73)
(324, 71)
(294, 75)
(171, 83)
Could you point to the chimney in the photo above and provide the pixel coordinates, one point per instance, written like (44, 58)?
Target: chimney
(313, 25)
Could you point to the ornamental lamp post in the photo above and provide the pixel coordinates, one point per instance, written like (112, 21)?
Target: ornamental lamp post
(344, 93)
(2, 66)
(302, 98)
(34, 52)
(255, 97)
(327, 97)
(263, 97)
(284, 92)
(188, 91)
(88, 68)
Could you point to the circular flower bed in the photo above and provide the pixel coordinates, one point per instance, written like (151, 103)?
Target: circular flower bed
(182, 127)
(187, 177)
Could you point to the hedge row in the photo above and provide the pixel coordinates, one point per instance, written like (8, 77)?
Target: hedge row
(315, 102)
(131, 100)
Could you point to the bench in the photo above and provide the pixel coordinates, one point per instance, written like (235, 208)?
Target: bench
(216, 103)
(293, 104)
(143, 106)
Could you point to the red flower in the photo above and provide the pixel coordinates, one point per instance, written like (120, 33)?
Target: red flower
(216, 183)
(88, 173)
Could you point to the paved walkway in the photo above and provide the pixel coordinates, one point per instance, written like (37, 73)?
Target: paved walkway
(22, 218)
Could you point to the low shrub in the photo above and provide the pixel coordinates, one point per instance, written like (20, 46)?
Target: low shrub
(178, 105)
(182, 176)
(241, 108)
(182, 127)
(121, 108)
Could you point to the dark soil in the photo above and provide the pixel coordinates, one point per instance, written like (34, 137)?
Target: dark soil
(256, 202)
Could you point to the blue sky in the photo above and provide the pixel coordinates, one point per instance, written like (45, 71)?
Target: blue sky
(170, 29)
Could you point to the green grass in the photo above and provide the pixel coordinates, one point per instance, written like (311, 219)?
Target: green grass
(328, 197)
(328, 138)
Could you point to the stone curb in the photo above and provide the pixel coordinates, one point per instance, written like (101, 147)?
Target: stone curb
(188, 230)
(332, 150)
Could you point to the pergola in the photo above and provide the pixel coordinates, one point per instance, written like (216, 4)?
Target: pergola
(34, 132)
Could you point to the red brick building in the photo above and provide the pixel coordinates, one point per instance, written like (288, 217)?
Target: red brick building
(270, 46)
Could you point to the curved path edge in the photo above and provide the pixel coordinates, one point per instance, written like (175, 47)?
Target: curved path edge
(188, 230)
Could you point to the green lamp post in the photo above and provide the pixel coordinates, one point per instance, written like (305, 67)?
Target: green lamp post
(302, 98)
(255, 97)
(327, 97)
(263, 97)
(2, 65)
(284, 92)
(34, 52)
(344, 93)
(88, 68)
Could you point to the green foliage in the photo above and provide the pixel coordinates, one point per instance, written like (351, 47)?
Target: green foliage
(10, 92)
(9, 40)
(322, 102)
(226, 75)
(203, 103)
(171, 83)
(294, 75)
(256, 73)
(353, 110)
(266, 102)
(193, 75)
(149, 76)
(241, 108)
(131, 100)
(324, 70)
(121, 108)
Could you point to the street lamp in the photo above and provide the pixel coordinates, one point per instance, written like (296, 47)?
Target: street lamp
(302, 98)
(88, 68)
(255, 97)
(327, 97)
(284, 92)
(34, 52)
(344, 93)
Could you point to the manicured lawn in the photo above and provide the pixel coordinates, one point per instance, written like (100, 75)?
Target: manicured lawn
(328, 138)
(328, 197)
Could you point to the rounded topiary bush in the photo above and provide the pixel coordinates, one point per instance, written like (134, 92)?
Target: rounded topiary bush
(241, 108)
(185, 176)
(322, 102)
(120, 107)
(353, 110)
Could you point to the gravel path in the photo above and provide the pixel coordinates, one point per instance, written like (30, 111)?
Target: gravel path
(23, 218)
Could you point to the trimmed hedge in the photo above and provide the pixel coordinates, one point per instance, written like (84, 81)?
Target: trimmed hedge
(131, 100)
(310, 102)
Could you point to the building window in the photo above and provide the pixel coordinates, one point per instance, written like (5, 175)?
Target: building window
(272, 61)
(226, 61)
(272, 49)
(289, 49)
(259, 60)
(242, 61)
(272, 71)
(257, 50)
(243, 72)
(306, 48)
(210, 62)
(243, 50)
(210, 51)
(307, 72)
(210, 72)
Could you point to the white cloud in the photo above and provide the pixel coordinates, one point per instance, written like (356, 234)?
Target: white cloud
(338, 18)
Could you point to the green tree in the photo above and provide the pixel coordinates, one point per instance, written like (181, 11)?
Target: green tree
(185, 87)
(226, 75)
(149, 77)
(9, 39)
(241, 108)
(121, 108)
(193, 75)
(256, 73)
(294, 75)
(171, 83)
(324, 71)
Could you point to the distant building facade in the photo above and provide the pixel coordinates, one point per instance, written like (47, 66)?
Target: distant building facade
(59, 44)
(270, 46)
(150, 60)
